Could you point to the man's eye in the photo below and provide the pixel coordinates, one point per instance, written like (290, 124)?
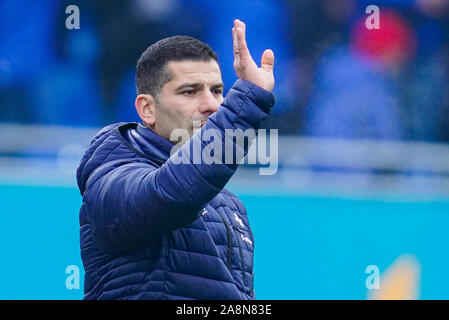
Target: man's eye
(188, 92)
(218, 92)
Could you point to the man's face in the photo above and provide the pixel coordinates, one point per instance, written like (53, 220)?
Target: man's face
(194, 93)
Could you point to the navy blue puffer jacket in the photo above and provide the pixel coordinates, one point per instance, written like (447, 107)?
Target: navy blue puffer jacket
(151, 228)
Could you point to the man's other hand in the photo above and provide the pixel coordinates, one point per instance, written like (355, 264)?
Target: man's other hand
(244, 65)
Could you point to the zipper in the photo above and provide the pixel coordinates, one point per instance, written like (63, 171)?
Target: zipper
(228, 263)
(242, 264)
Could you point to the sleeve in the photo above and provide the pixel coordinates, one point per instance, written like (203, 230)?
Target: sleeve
(134, 202)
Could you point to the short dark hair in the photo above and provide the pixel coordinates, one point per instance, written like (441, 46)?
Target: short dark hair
(151, 71)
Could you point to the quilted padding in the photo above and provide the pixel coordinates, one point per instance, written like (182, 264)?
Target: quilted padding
(154, 229)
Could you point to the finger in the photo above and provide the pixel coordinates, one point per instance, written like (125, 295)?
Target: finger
(235, 42)
(267, 61)
(243, 25)
(234, 36)
(242, 49)
(236, 23)
(242, 34)
(239, 43)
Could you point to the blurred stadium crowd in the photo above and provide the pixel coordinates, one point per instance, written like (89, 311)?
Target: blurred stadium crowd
(335, 78)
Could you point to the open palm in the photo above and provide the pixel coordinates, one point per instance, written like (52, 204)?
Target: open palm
(244, 65)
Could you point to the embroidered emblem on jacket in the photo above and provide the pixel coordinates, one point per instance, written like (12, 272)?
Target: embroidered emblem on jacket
(238, 220)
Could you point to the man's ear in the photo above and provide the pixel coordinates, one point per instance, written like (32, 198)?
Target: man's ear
(146, 106)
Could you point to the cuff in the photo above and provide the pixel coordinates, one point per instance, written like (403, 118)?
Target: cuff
(264, 99)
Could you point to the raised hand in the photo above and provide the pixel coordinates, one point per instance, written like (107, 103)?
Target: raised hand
(244, 65)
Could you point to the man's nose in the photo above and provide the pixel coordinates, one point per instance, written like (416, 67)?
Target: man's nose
(209, 103)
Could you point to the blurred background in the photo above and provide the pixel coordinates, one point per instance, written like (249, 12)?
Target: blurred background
(363, 118)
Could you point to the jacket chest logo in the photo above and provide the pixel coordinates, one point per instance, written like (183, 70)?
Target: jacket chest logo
(239, 221)
(246, 239)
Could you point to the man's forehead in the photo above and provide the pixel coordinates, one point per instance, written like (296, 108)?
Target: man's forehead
(189, 69)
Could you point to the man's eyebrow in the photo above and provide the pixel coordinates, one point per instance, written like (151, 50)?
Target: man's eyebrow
(195, 85)
(217, 86)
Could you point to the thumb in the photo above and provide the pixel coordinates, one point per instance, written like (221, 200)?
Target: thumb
(268, 60)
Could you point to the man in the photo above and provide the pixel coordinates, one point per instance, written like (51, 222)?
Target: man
(153, 228)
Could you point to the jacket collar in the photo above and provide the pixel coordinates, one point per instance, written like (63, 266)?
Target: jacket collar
(145, 142)
(156, 140)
